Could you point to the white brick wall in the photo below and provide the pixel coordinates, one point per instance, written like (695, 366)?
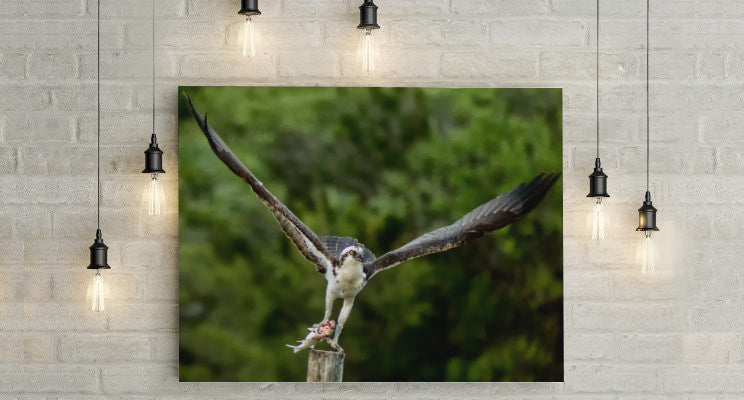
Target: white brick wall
(679, 335)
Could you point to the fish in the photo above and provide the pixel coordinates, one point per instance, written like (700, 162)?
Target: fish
(315, 336)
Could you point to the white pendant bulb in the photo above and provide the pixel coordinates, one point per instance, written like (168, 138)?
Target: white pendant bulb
(647, 212)
(153, 197)
(249, 38)
(248, 8)
(367, 52)
(598, 179)
(98, 250)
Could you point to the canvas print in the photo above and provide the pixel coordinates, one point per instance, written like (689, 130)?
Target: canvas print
(370, 234)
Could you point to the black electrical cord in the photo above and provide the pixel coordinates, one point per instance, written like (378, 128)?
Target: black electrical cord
(153, 66)
(98, 100)
(648, 73)
(597, 78)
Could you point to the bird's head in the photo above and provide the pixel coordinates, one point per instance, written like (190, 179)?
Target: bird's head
(354, 252)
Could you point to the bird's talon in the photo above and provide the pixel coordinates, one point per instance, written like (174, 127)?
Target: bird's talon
(319, 324)
(334, 345)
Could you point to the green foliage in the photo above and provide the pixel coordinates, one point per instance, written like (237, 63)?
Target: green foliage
(383, 165)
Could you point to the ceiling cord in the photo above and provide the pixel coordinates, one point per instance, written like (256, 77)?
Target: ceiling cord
(153, 66)
(98, 99)
(648, 73)
(597, 79)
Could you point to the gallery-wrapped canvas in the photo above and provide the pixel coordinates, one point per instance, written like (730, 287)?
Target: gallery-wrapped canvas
(293, 199)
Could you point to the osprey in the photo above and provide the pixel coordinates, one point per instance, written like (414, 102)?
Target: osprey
(346, 264)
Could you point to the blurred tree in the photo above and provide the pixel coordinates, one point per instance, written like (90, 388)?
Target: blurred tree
(383, 165)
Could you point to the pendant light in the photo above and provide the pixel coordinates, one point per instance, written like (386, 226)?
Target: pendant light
(598, 179)
(153, 197)
(367, 22)
(647, 212)
(249, 8)
(98, 250)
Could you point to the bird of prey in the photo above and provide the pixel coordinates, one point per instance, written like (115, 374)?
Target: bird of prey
(346, 263)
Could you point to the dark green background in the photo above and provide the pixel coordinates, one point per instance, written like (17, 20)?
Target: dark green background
(383, 165)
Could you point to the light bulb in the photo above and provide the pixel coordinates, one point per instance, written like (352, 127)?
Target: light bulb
(647, 254)
(598, 220)
(155, 197)
(367, 51)
(97, 294)
(249, 38)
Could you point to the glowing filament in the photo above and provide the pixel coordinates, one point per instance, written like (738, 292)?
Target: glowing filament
(367, 51)
(98, 293)
(647, 255)
(598, 220)
(249, 44)
(155, 197)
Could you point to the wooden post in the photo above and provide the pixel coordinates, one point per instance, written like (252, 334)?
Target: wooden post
(325, 366)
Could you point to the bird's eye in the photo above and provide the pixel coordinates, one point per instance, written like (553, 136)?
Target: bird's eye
(352, 252)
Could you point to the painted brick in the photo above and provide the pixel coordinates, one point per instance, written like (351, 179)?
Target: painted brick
(52, 67)
(13, 66)
(44, 190)
(103, 349)
(721, 127)
(49, 317)
(11, 253)
(501, 65)
(627, 317)
(24, 98)
(671, 65)
(164, 347)
(53, 34)
(148, 317)
(325, 64)
(57, 379)
(31, 223)
(414, 33)
(74, 286)
(698, 34)
(465, 33)
(711, 66)
(40, 127)
(227, 9)
(416, 64)
(150, 380)
(24, 348)
(594, 347)
(406, 8)
(113, 97)
(611, 378)
(538, 33)
(316, 9)
(499, 7)
(582, 65)
(272, 36)
(122, 128)
(42, 8)
(687, 379)
(231, 65)
(200, 35)
(159, 286)
(579, 8)
(8, 160)
(666, 159)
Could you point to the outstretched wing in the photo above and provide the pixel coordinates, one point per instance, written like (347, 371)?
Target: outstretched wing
(306, 241)
(499, 212)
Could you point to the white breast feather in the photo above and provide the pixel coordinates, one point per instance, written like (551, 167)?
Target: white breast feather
(349, 278)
